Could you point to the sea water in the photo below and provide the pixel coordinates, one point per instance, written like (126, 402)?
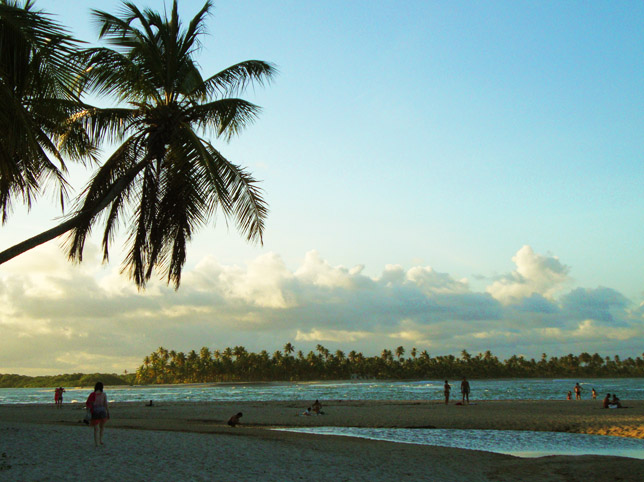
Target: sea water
(512, 442)
(507, 389)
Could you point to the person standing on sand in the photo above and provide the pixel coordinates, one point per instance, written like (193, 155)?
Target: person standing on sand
(577, 391)
(446, 389)
(569, 396)
(97, 404)
(593, 393)
(465, 391)
(56, 396)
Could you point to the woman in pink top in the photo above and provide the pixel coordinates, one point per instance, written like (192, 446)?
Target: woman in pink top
(97, 404)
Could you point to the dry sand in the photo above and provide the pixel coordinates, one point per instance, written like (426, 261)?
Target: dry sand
(190, 441)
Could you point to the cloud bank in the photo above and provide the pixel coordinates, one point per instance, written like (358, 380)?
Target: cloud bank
(57, 317)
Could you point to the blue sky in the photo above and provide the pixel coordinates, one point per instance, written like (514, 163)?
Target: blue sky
(446, 175)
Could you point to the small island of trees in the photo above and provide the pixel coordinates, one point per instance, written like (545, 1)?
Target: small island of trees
(238, 364)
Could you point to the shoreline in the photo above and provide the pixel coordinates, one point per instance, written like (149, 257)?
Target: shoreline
(335, 380)
(193, 442)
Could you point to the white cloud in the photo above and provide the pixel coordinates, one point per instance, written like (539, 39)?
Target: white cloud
(590, 330)
(98, 322)
(535, 273)
(319, 272)
(316, 335)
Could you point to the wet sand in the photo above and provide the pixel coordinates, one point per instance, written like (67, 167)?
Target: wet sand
(190, 441)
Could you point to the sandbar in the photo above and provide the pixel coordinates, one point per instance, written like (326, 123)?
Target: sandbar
(191, 441)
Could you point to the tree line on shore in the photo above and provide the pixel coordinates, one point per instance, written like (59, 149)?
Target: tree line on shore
(66, 380)
(238, 364)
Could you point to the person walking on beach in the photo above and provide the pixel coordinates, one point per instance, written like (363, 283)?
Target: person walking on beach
(446, 389)
(577, 391)
(97, 404)
(465, 391)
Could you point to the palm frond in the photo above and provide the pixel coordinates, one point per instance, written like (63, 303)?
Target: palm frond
(101, 124)
(245, 197)
(227, 117)
(112, 73)
(113, 179)
(236, 78)
(196, 28)
(138, 258)
(38, 68)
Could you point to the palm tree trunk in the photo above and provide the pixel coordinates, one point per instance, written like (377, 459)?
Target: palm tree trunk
(71, 223)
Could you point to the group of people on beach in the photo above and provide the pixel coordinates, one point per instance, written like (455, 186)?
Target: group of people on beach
(465, 391)
(608, 402)
(58, 396)
(611, 403)
(316, 409)
(98, 412)
(577, 389)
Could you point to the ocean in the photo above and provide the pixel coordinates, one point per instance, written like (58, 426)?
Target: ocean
(507, 389)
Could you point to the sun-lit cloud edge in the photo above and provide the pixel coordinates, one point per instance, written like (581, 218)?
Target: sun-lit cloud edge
(60, 317)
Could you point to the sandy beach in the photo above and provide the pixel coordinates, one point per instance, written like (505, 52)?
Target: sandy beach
(190, 441)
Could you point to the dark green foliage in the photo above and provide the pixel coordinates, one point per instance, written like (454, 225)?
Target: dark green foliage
(37, 75)
(166, 179)
(67, 380)
(237, 364)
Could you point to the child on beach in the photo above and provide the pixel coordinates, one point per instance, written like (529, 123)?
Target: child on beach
(234, 420)
(317, 407)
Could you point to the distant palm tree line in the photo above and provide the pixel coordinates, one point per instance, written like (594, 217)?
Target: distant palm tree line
(238, 364)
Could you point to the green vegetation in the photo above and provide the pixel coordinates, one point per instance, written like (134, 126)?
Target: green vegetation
(237, 364)
(166, 179)
(67, 380)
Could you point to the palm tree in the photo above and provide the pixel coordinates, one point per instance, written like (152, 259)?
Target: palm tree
(165, 176)
(289, 348)
(400, 351)
(37, 74)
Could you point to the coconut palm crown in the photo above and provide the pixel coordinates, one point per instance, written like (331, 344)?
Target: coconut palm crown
(165, 177)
